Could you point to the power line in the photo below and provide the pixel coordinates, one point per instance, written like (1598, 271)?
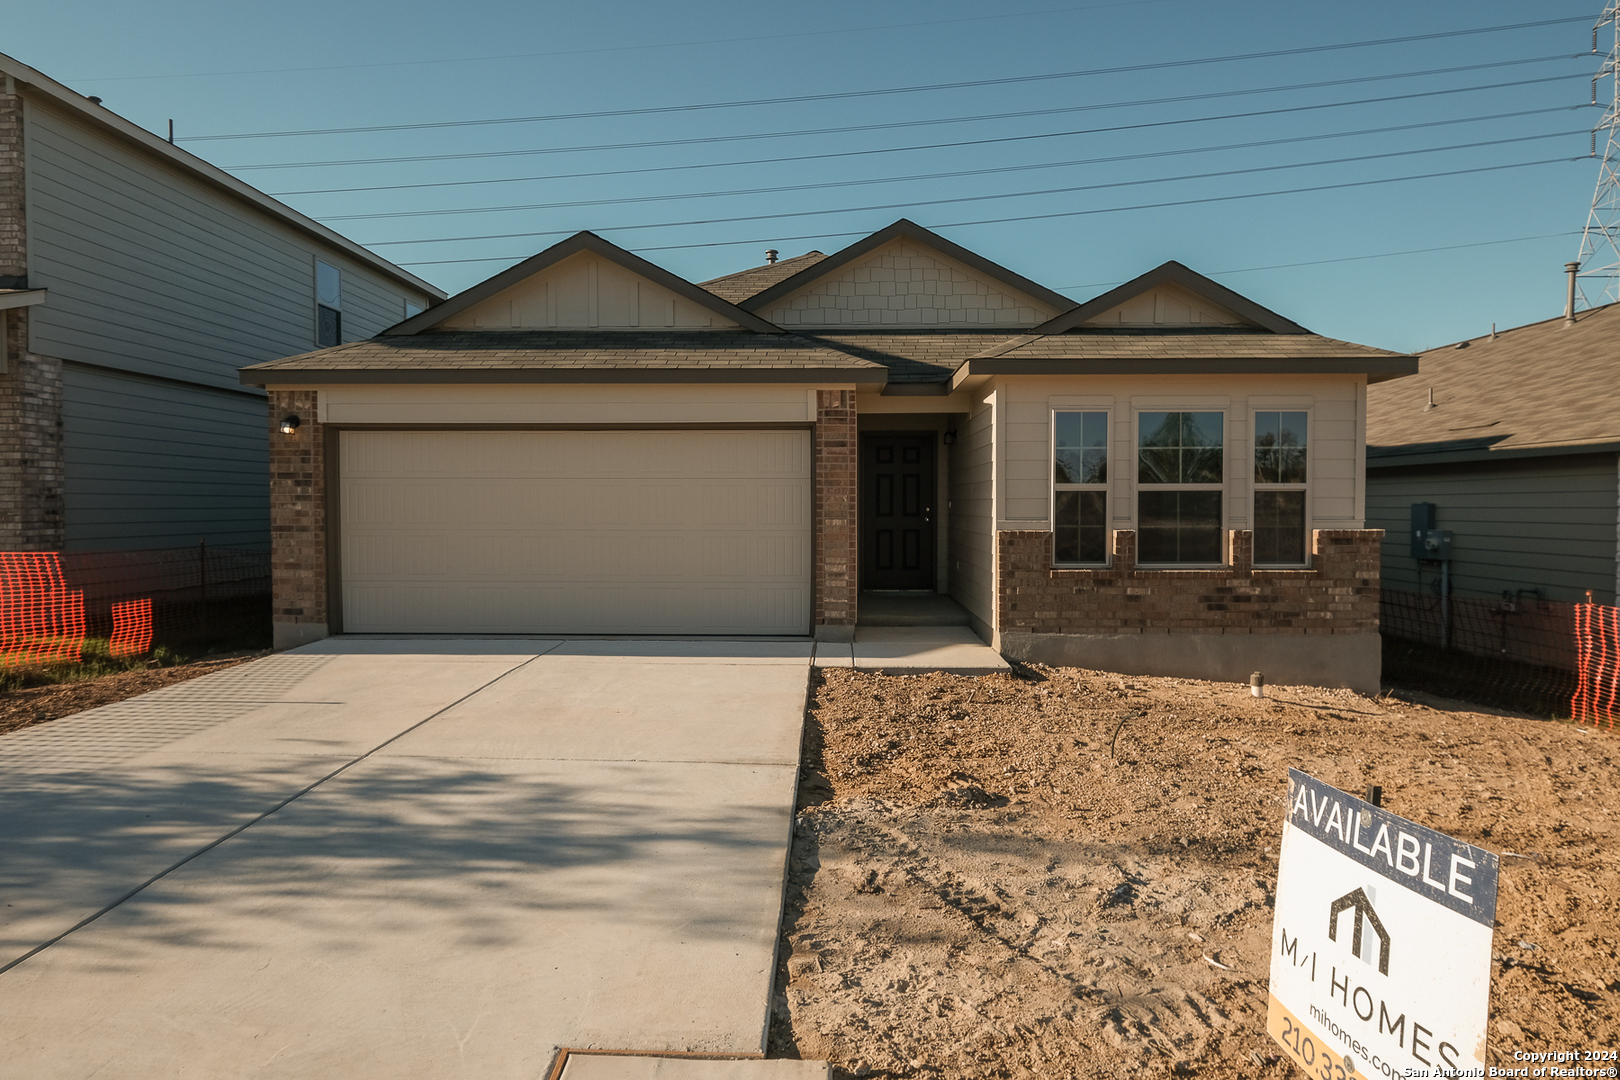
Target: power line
(1019, 218)
(998, 170)
(1012, 195)
(925, 123)
(1347, 258)
(889, 150)
(845, 95)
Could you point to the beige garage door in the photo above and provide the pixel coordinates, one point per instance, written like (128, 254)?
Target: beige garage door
(575, 532)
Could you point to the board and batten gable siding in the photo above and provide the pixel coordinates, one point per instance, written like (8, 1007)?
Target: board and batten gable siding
(1544, 523)
(1335, 450)
(150, 464)
(585, 291)
(972, 525)
(1167, 305)
(151, 271)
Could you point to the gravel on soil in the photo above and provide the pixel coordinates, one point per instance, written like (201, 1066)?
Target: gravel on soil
(1066, 873)
(37, 704)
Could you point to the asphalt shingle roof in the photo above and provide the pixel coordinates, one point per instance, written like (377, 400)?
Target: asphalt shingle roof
(735, 288)
(1156, 344)
(1542, 385)
(912, 356)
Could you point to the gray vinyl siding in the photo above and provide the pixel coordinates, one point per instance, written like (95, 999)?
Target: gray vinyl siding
(972, 512)
(150, 271)
(1547, 523)
(150, 464)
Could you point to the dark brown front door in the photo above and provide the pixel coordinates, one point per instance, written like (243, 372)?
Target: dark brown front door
(897, 511)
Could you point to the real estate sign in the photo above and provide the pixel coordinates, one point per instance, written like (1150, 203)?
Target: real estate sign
(1381, 948)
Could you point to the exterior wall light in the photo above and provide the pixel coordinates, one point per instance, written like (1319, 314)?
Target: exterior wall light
(289, 426)
(949, 438)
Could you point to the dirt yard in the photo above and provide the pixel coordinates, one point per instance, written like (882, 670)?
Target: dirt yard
(1070, 873)
(37, 704)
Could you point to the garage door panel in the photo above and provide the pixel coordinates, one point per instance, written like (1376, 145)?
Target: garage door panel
(576, 532)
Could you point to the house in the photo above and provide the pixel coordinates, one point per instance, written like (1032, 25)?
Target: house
(1164, 479)
(1514, 438)
(135, 279)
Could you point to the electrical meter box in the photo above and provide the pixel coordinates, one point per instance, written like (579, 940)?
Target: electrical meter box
(1437, 545)
(1422, 522)
(1428, 543)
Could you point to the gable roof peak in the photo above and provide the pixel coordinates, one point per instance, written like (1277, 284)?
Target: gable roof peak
(582, 241)
(905, 228)
(1175, 273)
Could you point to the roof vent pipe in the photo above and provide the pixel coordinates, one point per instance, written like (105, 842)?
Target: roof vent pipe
(1569, 297)
(770, 255)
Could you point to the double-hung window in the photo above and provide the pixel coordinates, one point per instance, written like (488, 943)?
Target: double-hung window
(1180, 487)
(328, 305)
(1080, 488)
(1280, 472)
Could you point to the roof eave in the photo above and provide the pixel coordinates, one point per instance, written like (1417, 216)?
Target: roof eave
(21, 298)
(1376, 369)
(288, 376)
(1391, 457)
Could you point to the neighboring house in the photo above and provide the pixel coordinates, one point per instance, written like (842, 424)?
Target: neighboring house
(1167, 478)
(135, 280)
(1515, 438)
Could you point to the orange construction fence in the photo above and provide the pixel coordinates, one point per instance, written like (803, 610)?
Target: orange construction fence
(52, 602)
(1597, 650)
(41, 619)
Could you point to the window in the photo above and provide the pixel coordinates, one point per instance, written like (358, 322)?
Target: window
(328, 306)
(412, 310)
(1179, 516)
(1279, 488)
(1080, 488)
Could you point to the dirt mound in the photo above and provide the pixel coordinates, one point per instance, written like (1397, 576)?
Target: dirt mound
(1071, 874)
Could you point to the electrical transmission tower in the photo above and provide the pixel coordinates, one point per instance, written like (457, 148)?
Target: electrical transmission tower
(1598, 279)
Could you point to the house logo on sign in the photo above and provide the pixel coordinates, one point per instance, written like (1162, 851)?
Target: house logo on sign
(1357, 900)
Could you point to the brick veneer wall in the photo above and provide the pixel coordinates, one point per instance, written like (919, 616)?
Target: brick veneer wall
(31, 471)
(836, 581)
(297, 512)
(13, 225)
(1337, 595)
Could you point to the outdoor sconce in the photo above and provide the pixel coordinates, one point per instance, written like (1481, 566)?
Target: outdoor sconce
(949, 438)
(289, 426)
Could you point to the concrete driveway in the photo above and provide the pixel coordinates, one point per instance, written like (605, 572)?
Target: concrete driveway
(402, 858)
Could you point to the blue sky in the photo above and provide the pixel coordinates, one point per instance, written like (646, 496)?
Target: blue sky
(1099, 139)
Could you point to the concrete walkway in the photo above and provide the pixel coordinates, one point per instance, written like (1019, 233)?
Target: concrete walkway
(913, 650)
(402, 859)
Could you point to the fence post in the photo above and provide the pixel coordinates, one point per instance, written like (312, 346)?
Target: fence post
(202, 579)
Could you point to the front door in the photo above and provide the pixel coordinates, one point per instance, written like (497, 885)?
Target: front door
(897, 511)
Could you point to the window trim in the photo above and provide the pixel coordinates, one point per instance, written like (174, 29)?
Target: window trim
(1224, 488)
(1107, 488)
(1255, 486)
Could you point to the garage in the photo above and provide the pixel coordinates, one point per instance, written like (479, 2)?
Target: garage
(575, 531)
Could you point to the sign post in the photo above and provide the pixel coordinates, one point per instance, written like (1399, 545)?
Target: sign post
(1381, 945)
